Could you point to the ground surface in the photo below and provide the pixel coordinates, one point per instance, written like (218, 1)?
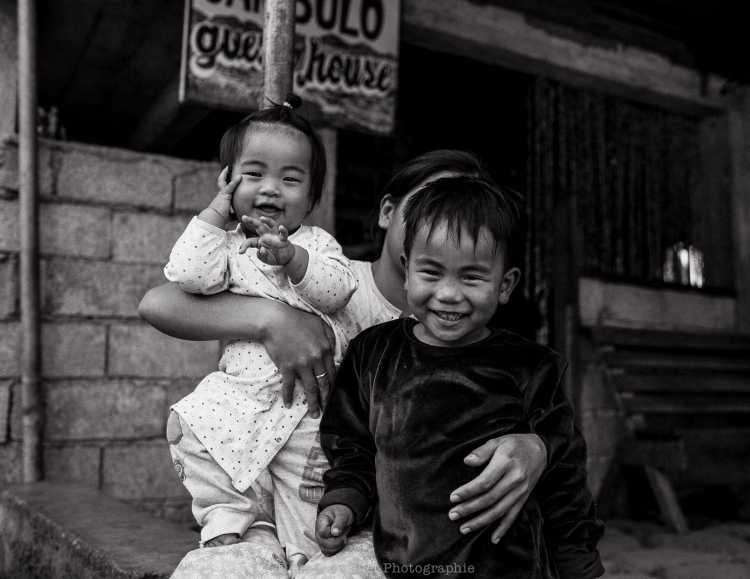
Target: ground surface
(640, 550)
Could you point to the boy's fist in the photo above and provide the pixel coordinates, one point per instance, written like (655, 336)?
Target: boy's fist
(332, 528)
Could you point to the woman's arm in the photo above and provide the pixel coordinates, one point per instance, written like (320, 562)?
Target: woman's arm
(300, 344)
(516, 461)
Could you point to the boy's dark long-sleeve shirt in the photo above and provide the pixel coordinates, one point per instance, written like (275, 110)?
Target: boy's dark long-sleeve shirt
(403, 415)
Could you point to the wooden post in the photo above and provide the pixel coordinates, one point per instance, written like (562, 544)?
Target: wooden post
(278, 58)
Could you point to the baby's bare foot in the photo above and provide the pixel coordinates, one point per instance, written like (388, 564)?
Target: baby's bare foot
(223, 540)
(295, 563)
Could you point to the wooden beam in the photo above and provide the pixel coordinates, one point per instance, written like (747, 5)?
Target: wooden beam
(739, 138)
(667, 500)
(8, 68)
(166, 121)
(507, 38)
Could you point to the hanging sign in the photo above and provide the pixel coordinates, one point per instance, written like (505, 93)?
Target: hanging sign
(345, 59)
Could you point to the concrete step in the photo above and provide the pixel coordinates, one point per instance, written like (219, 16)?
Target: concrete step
(57, 530)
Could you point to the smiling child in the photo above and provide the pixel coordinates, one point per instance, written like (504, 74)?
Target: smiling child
(413, 397)
(224, 434)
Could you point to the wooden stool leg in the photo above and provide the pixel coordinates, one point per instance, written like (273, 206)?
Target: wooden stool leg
(667, 500)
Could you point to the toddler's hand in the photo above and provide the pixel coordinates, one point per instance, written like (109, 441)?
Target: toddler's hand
(332, 528)
(222, 203)
(272, 242)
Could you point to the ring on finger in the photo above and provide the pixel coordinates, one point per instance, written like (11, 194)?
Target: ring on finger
(323, 375)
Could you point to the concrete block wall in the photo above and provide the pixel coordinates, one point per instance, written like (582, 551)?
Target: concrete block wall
(108, 219)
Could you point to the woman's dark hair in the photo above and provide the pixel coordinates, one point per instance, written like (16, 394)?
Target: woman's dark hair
(413, 172)
(233, 141)
(468, 206)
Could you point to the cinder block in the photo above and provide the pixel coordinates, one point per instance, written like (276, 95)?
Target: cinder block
(6, 390)
(9, 167)
(9, 231)
(141, 471)
(11, 470)
(104, 410)
(8, 286)
(178, 390)
(195, 190)
(10, 349)
(139, 350)
(72, 463)
(75, 230)
(174, 510)
(179, 511)
(77, 287)
(114, 176)
(145, 238)
(9, 164)
(71, 350)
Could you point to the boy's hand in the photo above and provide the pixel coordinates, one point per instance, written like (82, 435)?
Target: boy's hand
(516, 461)
(332, 528)
(272, 242)
(218, 211)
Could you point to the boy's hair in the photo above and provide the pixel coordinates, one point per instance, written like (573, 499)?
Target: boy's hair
(467, 206)
(233, 141)
(414, 172)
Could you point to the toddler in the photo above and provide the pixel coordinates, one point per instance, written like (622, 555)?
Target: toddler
(224, 434)
(413, 397)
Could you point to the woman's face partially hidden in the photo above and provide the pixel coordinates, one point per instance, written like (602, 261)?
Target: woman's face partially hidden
(392, 220)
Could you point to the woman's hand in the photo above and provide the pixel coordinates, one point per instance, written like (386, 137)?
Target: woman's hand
(302, 345)
(516, 461)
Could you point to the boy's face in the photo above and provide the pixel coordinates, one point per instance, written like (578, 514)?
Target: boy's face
(454, 288)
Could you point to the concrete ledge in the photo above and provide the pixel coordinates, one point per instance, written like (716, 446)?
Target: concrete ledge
(52, 530)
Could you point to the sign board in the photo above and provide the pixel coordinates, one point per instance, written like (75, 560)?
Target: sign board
(345, 55)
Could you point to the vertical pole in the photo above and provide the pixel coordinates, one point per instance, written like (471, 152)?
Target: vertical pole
(27, 161)
(278, 41)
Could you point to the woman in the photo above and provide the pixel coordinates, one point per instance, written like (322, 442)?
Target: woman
(301, 344)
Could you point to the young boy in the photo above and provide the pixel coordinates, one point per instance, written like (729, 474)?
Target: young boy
(413, 397)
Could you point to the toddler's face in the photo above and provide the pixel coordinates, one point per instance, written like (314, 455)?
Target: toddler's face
(275, 169)
(454, 288)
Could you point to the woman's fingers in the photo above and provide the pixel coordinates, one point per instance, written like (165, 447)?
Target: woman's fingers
(501, 489)
(288, 382)
(301, 345)
(487, 490)
(487, 478)
(508, 507)
(310, 385)
(506, 521)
